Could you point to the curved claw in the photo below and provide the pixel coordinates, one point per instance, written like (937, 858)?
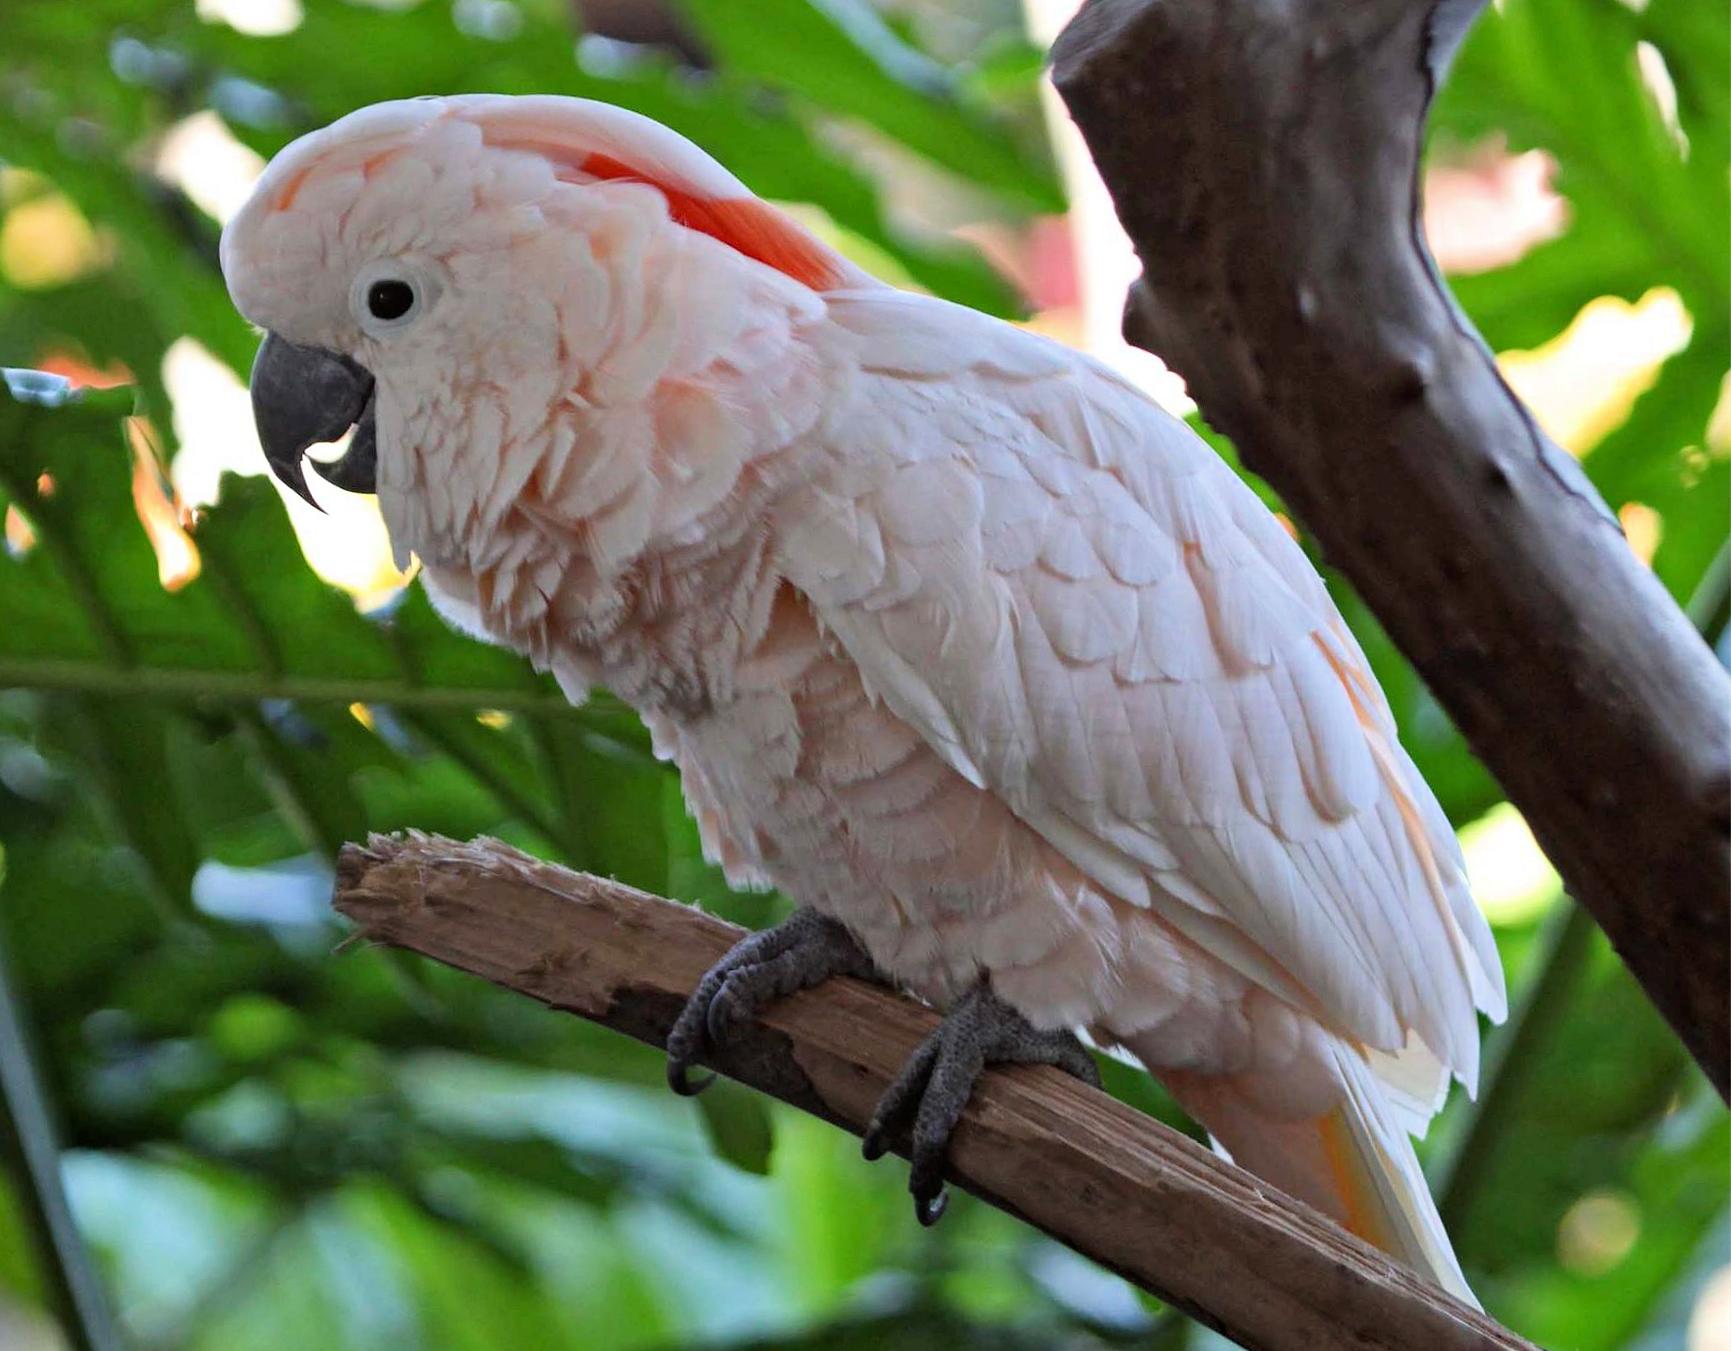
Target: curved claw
(873, 1144)
(719, 1017)
(930, 1209)
(680, 1081)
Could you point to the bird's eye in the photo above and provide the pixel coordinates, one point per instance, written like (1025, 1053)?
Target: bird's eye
(388, 296)
(389, 299)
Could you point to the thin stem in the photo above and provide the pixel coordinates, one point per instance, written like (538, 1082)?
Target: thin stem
(279, 780)
(244, 613)
(549, 825)
(544, 733)
(601, 714)
(97, 678)
(1510, 1056)
(1709, 607)
(31, 1155)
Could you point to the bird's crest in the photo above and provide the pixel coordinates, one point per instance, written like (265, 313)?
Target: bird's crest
(584, 141)
(588, 141)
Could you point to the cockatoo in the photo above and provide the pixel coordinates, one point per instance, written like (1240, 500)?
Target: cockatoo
(954, 636)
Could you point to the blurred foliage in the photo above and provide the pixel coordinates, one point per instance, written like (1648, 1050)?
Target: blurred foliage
(1648, 202)
(271, 1147)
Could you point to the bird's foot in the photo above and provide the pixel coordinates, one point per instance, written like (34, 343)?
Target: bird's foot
(936, 1083)
(805, 949)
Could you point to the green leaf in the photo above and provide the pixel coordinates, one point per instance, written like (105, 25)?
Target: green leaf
(529, 1159)
(1602, 1076)
(839, 56)
(313, 631)
(65, 951)
(613, 798)
(1135, 1086)
(85, 611)
(468, 1300)
(738, 1124)
(1673, 1193)
(1521, 72)
(1659, 456)
(89, 589)
(777, 154)
(120, 746)
(1645, 211)
(277, 1300)
(309, 788)
(840, 1216)
(1531, 301)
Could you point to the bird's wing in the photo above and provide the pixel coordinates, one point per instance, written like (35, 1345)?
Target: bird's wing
(1084, 610)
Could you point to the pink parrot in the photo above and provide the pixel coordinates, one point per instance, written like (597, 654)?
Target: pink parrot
(954, 635)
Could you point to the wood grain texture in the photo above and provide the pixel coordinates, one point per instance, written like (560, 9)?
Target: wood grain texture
(1263, 156)
(1096, 1175)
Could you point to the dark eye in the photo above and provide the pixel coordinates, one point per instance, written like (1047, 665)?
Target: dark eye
(390, 299)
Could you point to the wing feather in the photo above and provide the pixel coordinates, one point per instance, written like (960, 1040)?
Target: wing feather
(1082, 608)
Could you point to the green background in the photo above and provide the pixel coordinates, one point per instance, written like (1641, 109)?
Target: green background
(269, 1147)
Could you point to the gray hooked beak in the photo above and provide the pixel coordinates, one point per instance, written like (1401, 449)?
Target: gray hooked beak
(304, 395)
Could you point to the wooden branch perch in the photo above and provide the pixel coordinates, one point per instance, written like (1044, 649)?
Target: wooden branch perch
(1111, 1183)
(1263, 156)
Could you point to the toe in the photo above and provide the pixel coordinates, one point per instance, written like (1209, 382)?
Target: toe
(802, 951)
(752, 985)
(947, 1092)
(900, 1102)
(684, 1044)
(724, 1012)
(686, 1039)
(1074, 1058)
(928, 1097)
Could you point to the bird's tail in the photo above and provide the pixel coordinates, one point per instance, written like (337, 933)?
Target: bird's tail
(1355, 1162)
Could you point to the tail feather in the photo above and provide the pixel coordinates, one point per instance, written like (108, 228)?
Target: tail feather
(1355, 1162)
(1414, 1083)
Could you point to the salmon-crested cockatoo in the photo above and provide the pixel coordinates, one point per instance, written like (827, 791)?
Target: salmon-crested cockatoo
(954, 636)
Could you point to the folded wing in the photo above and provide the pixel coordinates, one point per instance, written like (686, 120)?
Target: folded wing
(1083, 609)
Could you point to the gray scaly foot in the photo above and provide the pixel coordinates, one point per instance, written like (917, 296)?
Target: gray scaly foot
(935, 1084)
(803, 950)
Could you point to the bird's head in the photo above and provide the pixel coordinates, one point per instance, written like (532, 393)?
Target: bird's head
(418, 250)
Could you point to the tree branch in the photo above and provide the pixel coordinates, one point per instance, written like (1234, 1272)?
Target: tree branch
(1263, 155)
(1111, 1183)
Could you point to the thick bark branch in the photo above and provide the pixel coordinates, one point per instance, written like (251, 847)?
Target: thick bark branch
(1263, 155)
(1104, 1179)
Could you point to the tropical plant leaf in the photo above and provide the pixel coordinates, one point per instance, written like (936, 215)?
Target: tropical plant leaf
(176, 768)
(839, 56)
(86, 613)
(1647, 202)
(738, 1124)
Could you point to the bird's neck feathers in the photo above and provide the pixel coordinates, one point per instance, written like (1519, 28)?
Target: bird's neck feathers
(613, 528)
(664, 629)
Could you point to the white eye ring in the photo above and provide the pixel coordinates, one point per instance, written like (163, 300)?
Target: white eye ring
(388, 296)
